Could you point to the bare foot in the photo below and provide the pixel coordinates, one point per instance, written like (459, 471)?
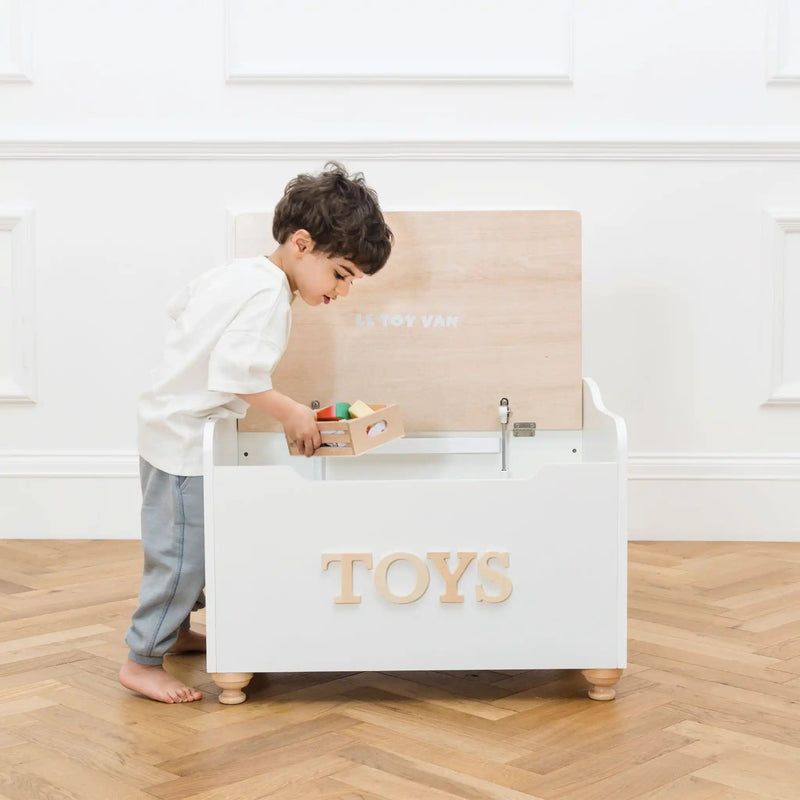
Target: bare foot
(189, 642)
(155, 682)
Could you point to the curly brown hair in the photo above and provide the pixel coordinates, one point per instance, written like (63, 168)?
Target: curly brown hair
(340, 212)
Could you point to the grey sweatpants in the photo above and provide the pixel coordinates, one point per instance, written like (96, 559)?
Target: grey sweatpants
(174, 562)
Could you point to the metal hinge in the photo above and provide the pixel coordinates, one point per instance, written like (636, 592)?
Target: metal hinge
(524, 429)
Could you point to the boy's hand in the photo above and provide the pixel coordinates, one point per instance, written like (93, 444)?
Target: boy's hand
(300, 425)
(299, 421)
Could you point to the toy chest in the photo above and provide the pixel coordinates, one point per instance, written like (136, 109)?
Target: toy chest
(491, 536)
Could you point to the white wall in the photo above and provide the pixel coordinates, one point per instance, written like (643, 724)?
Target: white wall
(130, 131)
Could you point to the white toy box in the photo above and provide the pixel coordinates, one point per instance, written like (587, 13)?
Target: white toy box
(492, 536)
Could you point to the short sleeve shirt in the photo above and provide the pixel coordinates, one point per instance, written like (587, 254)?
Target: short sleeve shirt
(228, 330)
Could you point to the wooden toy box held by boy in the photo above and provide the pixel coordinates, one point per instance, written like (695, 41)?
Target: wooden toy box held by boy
(352, 437)
(467, 544)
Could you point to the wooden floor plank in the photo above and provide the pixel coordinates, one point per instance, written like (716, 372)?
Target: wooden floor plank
(754, 773)
(512, 777)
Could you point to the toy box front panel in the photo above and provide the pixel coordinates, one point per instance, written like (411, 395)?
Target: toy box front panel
(274, 604)
(471, 307)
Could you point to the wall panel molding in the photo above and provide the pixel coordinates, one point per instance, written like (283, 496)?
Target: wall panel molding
(72, 464)
(783, 42)
(16, 41)
(641, 466)
(401, 150)
(18, 363)
(714, 466)
(401, 41)
(782, 307)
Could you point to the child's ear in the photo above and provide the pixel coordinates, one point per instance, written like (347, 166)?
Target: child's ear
(302, 241)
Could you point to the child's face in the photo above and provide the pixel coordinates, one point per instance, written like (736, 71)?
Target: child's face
(320, 278)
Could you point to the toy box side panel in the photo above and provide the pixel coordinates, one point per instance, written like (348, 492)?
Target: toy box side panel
(275, 605)
(605, 438)
(220, 447)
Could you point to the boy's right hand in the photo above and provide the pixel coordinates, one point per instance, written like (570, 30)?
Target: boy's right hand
(300, 426)
(299, 421)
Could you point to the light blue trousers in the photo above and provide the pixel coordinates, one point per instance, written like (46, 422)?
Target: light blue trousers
(174, 562)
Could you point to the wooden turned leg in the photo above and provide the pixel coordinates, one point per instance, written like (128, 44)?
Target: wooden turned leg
(602, 680)
(232, 684)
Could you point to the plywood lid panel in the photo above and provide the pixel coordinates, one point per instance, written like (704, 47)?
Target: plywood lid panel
(473, 306)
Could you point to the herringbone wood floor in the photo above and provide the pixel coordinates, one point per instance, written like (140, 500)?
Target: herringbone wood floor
(709, 708)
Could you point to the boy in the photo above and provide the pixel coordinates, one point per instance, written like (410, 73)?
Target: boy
(229, 329)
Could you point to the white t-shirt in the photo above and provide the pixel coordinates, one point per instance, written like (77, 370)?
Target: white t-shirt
(227, 332)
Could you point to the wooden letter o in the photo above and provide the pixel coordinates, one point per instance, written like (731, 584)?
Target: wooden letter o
(382, 569)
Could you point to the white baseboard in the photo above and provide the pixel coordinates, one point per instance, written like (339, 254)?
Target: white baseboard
(671, 497)
(69, 495)
(714, 510)
(714, 497)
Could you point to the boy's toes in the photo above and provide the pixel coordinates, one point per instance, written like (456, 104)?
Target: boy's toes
(187, 695)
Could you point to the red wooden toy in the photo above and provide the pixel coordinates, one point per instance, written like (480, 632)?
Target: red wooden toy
(334, 412)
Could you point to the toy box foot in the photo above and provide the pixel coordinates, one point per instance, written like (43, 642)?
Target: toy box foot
(602, 681)
(232, 684)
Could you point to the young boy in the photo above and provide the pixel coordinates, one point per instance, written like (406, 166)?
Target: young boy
(229, 329)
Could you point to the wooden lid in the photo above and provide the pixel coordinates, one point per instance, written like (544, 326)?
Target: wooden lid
(473, 306)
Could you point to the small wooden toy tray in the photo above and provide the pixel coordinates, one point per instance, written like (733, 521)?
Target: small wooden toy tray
(351, 437)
